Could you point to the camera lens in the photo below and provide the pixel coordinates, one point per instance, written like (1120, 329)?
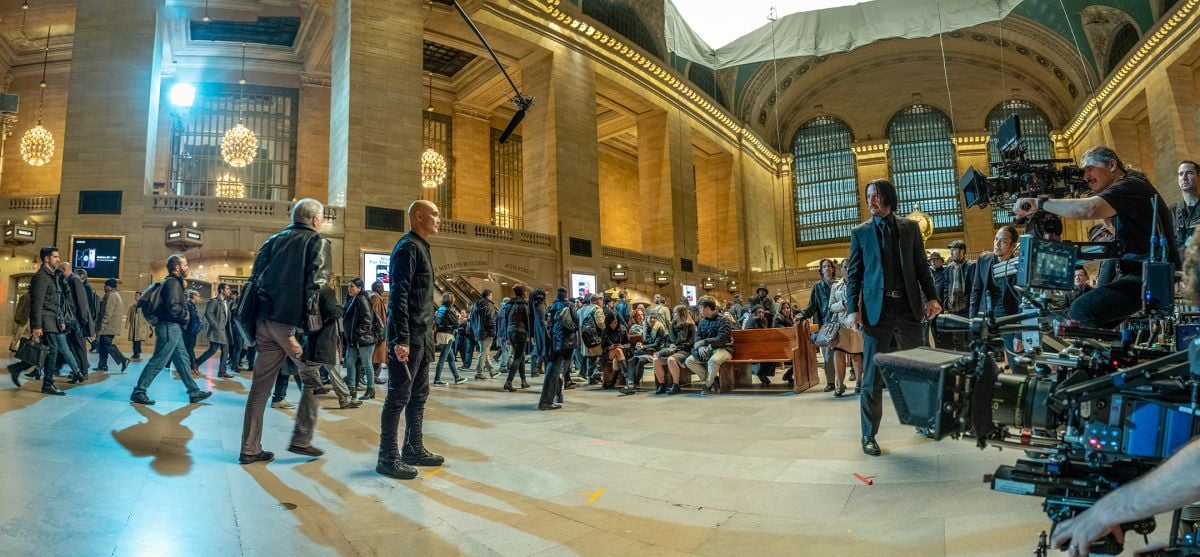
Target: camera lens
(1020, 401)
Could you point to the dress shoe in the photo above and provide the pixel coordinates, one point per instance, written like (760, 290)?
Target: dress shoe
(52, 390)
(829, 387)
(870, 447)
(15, 374)
(524, 384)
(35, 374)
(396, 469)
(661, 390)
(766, 382)
(141, 398)
(549, 406)
(569, 385)
(262, 456)
(199, 396)
(349, 403)
(423, 458)
(76, 378)
(124, 365)
(306, 451)
(508, 387)
(674, 389)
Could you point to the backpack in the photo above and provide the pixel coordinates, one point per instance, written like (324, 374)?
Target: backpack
(591, 332)
(148, 304)
(565, 321)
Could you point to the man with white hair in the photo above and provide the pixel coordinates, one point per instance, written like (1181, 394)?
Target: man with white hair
(290, 269)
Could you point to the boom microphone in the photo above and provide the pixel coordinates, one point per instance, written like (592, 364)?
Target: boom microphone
(512, 125)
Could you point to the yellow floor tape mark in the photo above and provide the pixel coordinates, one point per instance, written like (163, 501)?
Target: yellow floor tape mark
(592, 496)
(431, 474)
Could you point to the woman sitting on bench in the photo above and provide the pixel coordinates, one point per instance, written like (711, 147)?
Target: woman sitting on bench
(683, 334)
(615, 340)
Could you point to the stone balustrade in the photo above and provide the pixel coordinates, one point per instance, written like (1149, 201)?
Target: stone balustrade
(622, 255)
(220, 207)
(35, 204)
(474, 231)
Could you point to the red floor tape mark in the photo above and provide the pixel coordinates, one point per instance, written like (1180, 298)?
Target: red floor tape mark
(869, 480)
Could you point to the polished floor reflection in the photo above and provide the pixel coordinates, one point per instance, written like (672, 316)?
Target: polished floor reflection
(768, 474)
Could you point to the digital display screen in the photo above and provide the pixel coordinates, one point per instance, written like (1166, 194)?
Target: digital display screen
(1046, 264)
(689, 294)
(375, 267)
(100, 257)
(582, 284)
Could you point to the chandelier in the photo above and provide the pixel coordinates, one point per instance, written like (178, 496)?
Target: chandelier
(229, 186)
(239, 145)
(37, 145)
(433, 168)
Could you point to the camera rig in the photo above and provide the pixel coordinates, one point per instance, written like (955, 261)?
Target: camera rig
(1092, 409)
(1016, 176)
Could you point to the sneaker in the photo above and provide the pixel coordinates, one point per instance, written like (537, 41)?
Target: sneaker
(306, 451)
(661, 390)
(439, 383)
(494, 374)
(283, 405)
(396, 469)
(422, 458)
(224, 375)
(262, 456)
(141, 398)
(199, 396)
(460, 380)
(674, 390)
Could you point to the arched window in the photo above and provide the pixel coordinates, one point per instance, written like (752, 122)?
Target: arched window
(1123, 41)
(921, 163)
(825, 182)
(1035, 133)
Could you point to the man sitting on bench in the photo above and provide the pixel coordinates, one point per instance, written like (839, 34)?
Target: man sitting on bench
(714, 340)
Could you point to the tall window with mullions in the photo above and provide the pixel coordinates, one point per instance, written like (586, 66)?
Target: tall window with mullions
(197, 167)
(507, 185)
(921, 163)
(1035, 134)
(438, 135)
(825, 183)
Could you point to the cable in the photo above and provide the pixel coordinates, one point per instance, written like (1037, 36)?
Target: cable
(946, 68)
(773, 17)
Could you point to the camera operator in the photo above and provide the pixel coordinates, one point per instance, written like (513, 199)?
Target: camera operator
(1172, 485)
(1123, 198)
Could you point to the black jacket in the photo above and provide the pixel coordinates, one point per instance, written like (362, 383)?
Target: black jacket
(322, 346)
(173, 302)
(682, 336)
(410, 306)
(614, 336)
(45, 302)
(292, 266)
(560, 337)
(541, 333)
(358, 321)
(864, 270)
(716, 331)
(818, 303)
(517, 319)
(447, 319)
(941, 283)
(985, 293)
(483, 324)
(76, 292)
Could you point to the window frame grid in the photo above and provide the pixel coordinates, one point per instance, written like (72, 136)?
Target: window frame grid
(922, 165)
(272, 113)
(438, 134)
(824, 182)
(507, 181)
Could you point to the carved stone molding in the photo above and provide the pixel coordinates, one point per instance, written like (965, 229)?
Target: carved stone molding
(472, 111)
(317, 79)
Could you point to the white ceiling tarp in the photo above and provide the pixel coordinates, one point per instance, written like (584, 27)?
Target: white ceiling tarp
(830, 30)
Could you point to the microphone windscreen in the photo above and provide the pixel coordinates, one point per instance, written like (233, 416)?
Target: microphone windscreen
(512, 125)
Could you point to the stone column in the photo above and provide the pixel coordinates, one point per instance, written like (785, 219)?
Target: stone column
(1172, 115)
(560, 151)
(111, 124)
(472, 164)
(312, 138)
(375, 116)
(667, 182)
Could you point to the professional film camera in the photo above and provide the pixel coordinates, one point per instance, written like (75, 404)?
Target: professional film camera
(1091, 409)
(1015, 176)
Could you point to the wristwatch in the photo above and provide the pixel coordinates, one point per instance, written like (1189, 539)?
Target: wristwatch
(1041, 203)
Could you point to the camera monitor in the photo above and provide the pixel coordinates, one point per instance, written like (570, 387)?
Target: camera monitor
(1046, 264)
(975, 188)
(100, 256)
(1008, 137)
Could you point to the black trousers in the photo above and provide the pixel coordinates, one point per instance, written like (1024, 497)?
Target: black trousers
(235, 353)
(896, 330)
(1106, 306)
(78, 347)
(408, 389)
(107, 348)
(558, 365)
(518, 359)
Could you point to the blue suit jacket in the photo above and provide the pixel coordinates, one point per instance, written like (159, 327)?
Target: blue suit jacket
(864, 270)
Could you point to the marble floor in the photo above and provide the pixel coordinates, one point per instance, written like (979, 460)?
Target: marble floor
(735, 474)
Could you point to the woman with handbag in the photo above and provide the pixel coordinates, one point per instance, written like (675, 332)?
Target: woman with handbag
(358, 325)
(616, 345)
(849, 342)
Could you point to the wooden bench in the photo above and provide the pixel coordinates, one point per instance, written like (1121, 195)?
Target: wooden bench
(606, 371)
(790, 347)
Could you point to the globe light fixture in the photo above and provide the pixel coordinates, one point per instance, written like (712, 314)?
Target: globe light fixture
(37, 145)
(239, 145)
(433, 168)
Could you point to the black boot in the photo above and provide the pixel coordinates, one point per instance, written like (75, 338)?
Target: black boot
(414, 452)
(368, 394)
(508, 386)
(661, 390)
(393, 467)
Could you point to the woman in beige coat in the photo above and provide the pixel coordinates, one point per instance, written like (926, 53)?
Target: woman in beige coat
(111, 310)
(139, 329)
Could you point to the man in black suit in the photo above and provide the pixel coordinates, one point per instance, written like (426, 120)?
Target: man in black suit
(886, 276)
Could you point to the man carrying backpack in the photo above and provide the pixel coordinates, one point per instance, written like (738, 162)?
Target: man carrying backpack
(165, 306)
(483, 326)
(518, 323)
(563, 324)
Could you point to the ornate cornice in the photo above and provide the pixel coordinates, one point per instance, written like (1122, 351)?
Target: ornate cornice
(317, 79)
(472, 111)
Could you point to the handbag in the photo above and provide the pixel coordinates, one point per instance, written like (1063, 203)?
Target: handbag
(32, 352)
(827, 335)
